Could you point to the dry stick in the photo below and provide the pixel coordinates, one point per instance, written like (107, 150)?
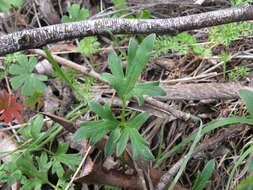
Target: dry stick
(34, 38)
(78, 169)
(203, 91)
(94, 74)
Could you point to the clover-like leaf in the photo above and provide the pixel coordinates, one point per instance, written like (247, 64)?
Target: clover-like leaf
(10, 108)
(29, 82)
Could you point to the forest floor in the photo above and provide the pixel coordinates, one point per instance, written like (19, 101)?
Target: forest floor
(200, 70)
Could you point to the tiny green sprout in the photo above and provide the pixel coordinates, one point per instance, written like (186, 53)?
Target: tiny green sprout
(238, 72)
(88, 46)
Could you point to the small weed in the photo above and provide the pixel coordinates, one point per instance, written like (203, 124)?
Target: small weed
(37, 162)
(126, 86)
(225, 58)
(225, 34)
(182, 43)
(88, 46)
(239, 72)
(75, 14)
(239, 2)
(8, 60)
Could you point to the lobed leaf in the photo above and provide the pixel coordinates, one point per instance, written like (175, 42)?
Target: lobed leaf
(139, 145)
(151, 89)
(94, 129)
(30, 83)
(112, 141)
(117, 83)
(115, 65)
(139, 61)
(102, 111)
(132, 48)
(138, 120)
(122, 142)
(10, 108)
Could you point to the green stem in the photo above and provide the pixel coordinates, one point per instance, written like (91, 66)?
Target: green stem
(53, 186)
(123, 112)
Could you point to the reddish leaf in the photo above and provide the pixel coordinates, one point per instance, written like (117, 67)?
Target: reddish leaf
(10, 108)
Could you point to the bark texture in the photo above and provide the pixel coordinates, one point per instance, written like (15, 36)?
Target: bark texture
(203, 91)
(38, 37)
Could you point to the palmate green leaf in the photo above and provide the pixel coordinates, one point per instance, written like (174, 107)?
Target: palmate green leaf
(95, 129)
(112, 141)
(247, 97)
(139, 62)
(203, 177)
(61, 157)
(138, 120)
(26, 164)
(102, 111)
(29, 82)
(139, 145)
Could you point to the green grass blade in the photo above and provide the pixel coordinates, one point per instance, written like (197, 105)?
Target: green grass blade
(58, 69)
(210, 127)
(188, 156)
(238, 162)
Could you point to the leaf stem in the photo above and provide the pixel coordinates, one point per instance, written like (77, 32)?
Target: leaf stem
(123, 112)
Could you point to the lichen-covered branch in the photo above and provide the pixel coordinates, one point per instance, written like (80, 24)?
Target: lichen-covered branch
(38, 37)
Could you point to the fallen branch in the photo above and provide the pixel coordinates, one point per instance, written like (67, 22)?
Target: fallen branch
(38, 37)
(203, 91)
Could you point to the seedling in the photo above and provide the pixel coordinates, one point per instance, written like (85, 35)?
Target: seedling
(125, 83)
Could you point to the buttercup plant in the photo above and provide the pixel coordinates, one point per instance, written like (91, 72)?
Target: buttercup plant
(119, 128)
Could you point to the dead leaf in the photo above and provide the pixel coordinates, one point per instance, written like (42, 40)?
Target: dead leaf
(10, 108)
